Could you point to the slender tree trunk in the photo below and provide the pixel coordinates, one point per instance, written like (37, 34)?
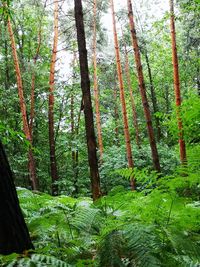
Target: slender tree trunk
(122, 96)
(96, 89)
(128, 77)
(145, 103)
(177, 91)
(153, 97)
(32, 169)
(76, 173)
(74, 130)
(85, 85)
(14, 236)
(116, 117)
(32, 106)
(53, 165)
(198, 80)
(7, 76)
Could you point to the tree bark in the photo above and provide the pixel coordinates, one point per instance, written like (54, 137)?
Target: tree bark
(53, 165)
(145, 103)
(32, 168)
(134, 112)
(153, 97)
(182, 147)
(116, 117)
(88, 112)
(96, 89)
(14, 236)
(74, 130)
(122, 96)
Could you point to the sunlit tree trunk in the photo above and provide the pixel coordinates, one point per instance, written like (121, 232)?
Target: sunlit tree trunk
(96, 90)
(32, 169)
(177, 91)
(88, 112)
(128, 77)
(53, 165)
(14, 236)
(145, 103)
(122, 96)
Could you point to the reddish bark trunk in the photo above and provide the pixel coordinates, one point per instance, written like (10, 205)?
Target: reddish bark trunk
(96, 89)
(145, 103)
(122, 96)
(32, 169)
(85, 86)
(183, 156)
(53, 165)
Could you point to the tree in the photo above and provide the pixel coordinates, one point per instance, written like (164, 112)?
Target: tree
(141, 82)
(134, 112)
(14, 236)
(177, 90)
(26, 129)
(54, 173)
(88, 112)
(96, 89)
(122, 96)
(153, 96)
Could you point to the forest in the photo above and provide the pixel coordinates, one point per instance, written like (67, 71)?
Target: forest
(99, 133)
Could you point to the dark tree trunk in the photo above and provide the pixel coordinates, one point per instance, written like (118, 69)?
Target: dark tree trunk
(88, 112)
(141, 82)
(14, 236)
(153, 98)
(116, 118)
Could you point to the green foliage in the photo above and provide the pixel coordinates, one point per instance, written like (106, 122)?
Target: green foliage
(190, 114)
(125, 228)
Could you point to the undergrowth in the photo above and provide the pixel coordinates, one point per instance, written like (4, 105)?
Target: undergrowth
(159, 225)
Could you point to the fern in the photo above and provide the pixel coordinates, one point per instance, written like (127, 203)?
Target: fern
(35, 260)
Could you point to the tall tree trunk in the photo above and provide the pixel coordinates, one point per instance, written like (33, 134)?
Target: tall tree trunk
(14, 236)
(7, 76)
(32, 169)
(96, 89)
(76, 173)
(122, 96)
(85, 85)
(32, 105)
(74, 130)
(153, 98)
(116, 117)
(145, 103)
(53, 165)
(177, 91)
(128, 77)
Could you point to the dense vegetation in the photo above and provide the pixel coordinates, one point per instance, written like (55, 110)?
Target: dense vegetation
(157, 223)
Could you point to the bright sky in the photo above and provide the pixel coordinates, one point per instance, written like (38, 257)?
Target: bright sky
(147, 10)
